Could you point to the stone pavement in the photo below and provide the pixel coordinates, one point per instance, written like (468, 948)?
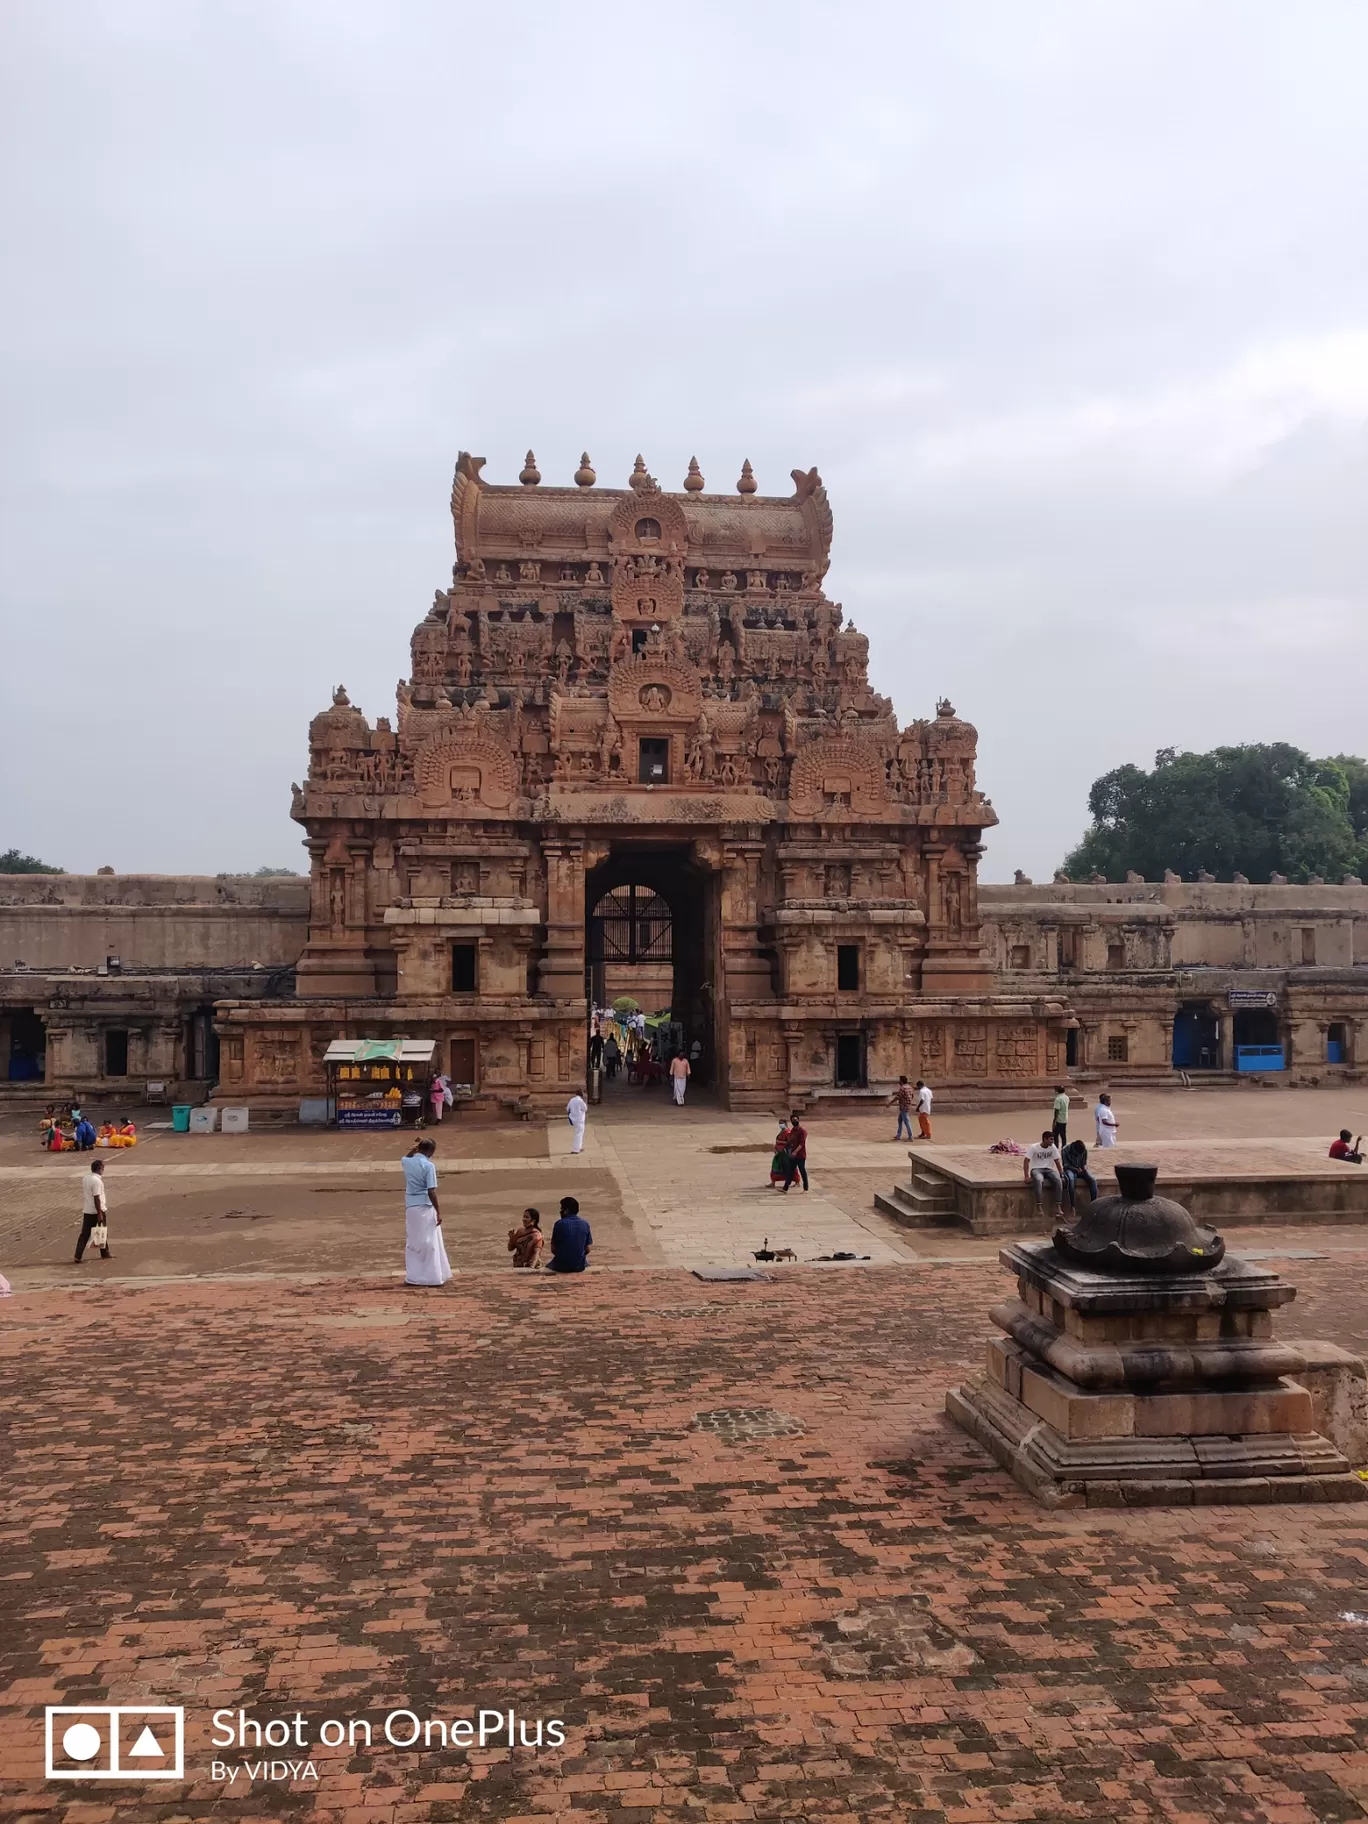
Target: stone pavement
(720, 1530)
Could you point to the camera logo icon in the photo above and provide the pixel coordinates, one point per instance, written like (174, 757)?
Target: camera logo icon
(115, 1742)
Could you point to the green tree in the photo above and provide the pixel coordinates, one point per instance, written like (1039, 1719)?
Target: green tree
(12, 862)
(1354, 770)
(1259, 809)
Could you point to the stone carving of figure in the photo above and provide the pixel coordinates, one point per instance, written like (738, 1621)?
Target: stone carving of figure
(337, 898)
(529, 572)
(463, 669)
(475, 570)
(706, 750)
(403, 695)
(563, 660)
(954, 910)
(755, 581)
(654, 699)
(620, 646)
(296, 801)
(729, 582)
(726, 661)
(503, 574)
(700, 579)
(567, 573)
(782, 584)
(593, 576)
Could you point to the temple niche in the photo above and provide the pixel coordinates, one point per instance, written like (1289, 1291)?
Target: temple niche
(628, 691)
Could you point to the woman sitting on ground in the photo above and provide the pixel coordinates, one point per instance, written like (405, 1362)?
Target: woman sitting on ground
(525, 1244)
(125, 1134)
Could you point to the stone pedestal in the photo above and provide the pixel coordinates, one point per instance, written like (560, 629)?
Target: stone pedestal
(1110, 1389)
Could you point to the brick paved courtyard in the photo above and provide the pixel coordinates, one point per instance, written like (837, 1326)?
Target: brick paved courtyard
(815, 1601)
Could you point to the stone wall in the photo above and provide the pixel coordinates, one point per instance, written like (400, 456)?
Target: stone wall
(1130, 958)
(150, 921)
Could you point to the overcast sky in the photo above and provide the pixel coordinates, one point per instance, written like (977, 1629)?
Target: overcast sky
(1069, 304)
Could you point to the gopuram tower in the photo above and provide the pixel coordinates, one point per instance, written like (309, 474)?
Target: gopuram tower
(635, 727)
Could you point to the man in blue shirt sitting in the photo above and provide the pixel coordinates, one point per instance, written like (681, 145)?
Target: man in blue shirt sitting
(571, 1239)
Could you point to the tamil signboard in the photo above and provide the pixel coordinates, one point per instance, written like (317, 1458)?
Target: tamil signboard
(369, 1114)
(1251, 997)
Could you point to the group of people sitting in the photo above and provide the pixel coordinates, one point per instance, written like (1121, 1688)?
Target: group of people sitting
(571, 1240)
(1058, 1171)
(71, 1131)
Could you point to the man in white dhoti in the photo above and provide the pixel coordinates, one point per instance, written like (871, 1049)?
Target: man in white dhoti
(425, 1257)
(577, 1113)
(1105, 1118)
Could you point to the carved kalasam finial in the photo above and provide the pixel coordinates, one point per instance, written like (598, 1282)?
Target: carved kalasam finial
(747, 483)
(531, 474)
(944, 707)
(584, 474)
(340, 698)
(693, 481)
(638, 479)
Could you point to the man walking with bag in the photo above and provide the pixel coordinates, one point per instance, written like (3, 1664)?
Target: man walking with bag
(94, 1211)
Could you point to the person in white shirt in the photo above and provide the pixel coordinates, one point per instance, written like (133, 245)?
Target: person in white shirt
(1105, 1118)
(1043, 1167)
(425, 1255)
(577, 1113)
(923, 1107)
(94, 1208)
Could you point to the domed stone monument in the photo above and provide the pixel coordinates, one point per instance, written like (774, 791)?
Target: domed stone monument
(1138, 1367)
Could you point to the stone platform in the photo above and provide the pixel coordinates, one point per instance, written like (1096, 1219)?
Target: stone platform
(1138, 1390)
(1226, 1183)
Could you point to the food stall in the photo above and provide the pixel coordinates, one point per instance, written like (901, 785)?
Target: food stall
(378, 1082)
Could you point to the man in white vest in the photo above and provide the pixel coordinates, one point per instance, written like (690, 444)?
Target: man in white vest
(577, 1113)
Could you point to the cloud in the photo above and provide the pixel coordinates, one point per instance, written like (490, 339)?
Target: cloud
(1065, 303)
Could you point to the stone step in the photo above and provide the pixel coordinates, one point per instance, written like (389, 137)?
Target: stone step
(914, 1209)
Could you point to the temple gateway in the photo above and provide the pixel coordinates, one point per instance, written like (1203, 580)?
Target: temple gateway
(637, 735)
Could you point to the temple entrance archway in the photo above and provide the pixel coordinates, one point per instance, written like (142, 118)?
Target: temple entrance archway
(650, 923)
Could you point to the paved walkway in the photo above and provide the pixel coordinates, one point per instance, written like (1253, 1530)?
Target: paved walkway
(721, 1532)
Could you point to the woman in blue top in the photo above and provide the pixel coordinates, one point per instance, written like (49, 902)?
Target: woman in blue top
(425, 1257)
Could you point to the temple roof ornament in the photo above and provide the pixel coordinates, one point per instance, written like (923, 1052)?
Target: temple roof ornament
(693, 481)
(584, 474)
(747, 484)
(639, 479)
(531, 474)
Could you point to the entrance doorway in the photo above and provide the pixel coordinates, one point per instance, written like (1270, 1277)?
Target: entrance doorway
(201, 1047)
(650, 928)
(23, 1038)
(850, 1060)
(1196, 1037)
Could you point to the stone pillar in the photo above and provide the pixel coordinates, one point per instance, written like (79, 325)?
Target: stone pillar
(1227, 1019)
(953, 963)
(562, 968)
(746, 972)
